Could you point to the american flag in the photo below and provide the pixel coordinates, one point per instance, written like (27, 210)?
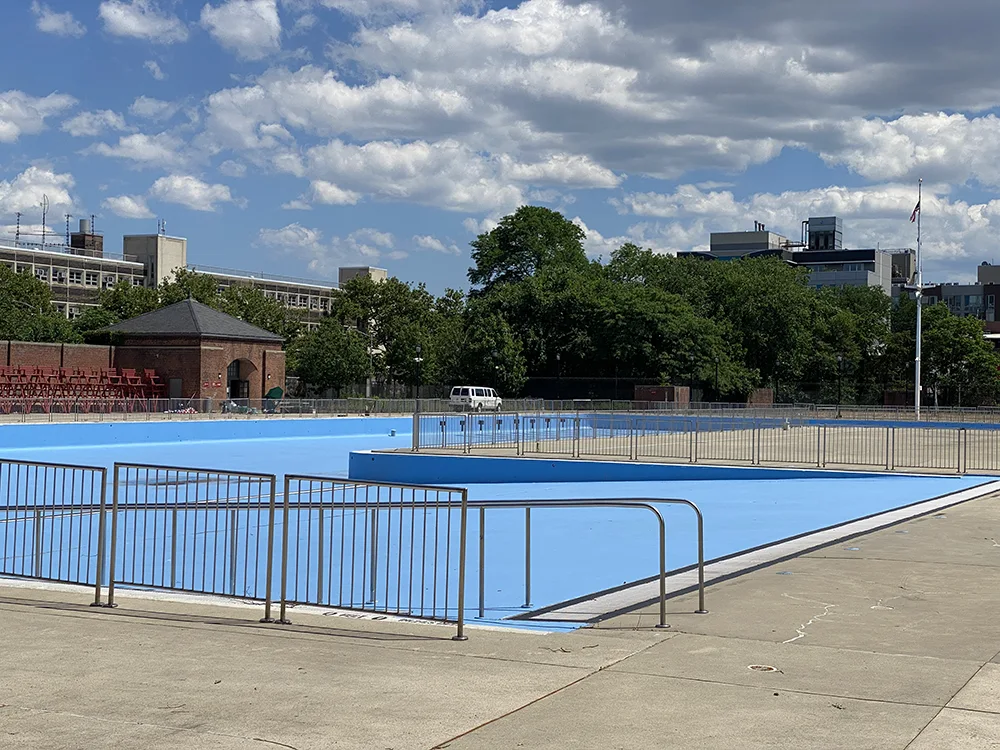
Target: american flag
(916, 210)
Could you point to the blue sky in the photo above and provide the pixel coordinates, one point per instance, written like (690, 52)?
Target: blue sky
(296, 136)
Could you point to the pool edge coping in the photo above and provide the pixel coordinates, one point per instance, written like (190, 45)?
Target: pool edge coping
(727, 567)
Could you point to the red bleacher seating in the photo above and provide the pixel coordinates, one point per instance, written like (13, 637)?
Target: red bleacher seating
(46, 389)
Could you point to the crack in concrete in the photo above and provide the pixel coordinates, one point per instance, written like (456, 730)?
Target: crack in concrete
(801, 630)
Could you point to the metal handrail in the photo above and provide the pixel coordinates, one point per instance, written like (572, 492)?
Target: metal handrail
(643, 503)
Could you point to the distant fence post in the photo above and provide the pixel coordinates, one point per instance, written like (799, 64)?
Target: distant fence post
(416, 432)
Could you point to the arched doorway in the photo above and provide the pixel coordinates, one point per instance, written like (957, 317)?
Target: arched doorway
(238, 378)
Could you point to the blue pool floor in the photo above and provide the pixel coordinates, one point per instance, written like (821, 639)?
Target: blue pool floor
(574, 552)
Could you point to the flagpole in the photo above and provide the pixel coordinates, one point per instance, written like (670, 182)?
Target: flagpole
(920, 292)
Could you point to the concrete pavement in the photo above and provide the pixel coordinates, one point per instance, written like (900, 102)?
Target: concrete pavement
(888, 641)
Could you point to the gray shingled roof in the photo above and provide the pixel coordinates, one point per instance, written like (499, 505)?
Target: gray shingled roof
(192, 319)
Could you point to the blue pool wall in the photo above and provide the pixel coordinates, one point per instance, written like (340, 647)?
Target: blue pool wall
(96, 434)
(422, 468)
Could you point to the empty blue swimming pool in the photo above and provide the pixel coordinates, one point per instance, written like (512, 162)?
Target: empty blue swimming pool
(575, 552)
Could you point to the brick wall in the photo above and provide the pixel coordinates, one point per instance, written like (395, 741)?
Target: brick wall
(175, 358)
(87, 357)
(28, 354)
(274, 370)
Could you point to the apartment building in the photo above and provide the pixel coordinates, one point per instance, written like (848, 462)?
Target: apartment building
(79, 271)
(821, 251)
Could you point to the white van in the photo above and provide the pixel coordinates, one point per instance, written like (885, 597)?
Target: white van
(475, 398)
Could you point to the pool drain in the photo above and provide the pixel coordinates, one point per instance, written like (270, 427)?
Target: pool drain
(762, 668)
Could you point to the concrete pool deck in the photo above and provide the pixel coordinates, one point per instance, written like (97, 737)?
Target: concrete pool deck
(888, 641)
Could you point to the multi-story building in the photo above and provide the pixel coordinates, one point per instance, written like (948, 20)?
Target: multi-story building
(79, 271)
(821, 251)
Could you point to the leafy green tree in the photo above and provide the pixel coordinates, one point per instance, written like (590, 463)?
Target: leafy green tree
(332, 356)
(251, 305)
(522, 244)
(490, 354)
(190, 284)
(26, 312)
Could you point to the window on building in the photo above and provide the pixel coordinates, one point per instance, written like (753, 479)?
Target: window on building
(93, 278)
(58, 276)
(313, 303)
(42, 274)
(109, 281)
(74, 312)
(75, 277)
(21, 268)
(324, 304)
(138, 281)
(990, 300)
(61, 309)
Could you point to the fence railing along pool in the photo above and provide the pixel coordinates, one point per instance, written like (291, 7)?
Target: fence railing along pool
(737, 439)
(373, 547)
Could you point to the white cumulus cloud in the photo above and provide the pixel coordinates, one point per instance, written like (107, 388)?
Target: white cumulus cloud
(154, 70)
(142, 19)
(191, 192)
(429, 242)
(249, 28)
(153, 109)
(25, 191)
(323, 256)
(94, 123)
(49, 21)
(23, 114)
(128, 206)
(144, 150)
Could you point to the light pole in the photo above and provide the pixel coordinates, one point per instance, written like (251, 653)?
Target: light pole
(840, 378)
(558, 376)
(418, 360)
(717, 378)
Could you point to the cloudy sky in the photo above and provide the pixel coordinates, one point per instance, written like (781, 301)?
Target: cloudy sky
(297, 136)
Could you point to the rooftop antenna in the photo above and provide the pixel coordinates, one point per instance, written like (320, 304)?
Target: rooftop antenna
(68, 217)
(45, 211)
(17, 229)
(93, 224)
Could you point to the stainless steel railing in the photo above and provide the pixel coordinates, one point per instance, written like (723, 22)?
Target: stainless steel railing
(383, 548)
(53, 522)
(388, 548)
(647, 504)
(197, 530)
(715, 439)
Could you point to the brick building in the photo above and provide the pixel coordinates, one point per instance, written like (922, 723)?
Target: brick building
(200, 352)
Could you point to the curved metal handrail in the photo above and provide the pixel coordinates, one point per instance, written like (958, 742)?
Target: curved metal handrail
(645, 503)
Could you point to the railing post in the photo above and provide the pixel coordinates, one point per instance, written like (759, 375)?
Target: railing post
(463, 528)
(39, 518)
(102, 530)
(663, 573)
(319, 557)
(694, 441)
(576, 435)
(113, 546)
(269, 572)
(173, 551)
(892, 453)
(482, 563)
(527, 558)
(961, 434)
(285, 515)
(416, 432)
(821, 438)
(233, 552)
(632, 438)
(888, 448)
(373, 557)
